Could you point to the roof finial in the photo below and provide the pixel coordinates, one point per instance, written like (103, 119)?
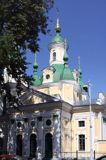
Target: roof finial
(79, 66)
(80, 73)
(36, 80)
(65, 43)
(35, 63)
(58, 28)
(65, 58)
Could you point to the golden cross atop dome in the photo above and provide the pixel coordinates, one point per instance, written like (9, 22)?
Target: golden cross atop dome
(58, 28)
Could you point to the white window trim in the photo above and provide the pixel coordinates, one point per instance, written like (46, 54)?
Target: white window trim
(78, 127)
(78, 142)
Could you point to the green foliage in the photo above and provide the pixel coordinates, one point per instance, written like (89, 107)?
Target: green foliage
(21, 21)
(24, 19)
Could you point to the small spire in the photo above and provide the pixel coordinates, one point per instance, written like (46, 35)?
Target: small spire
(79, 65)
(80, 73)
(65, 43)
(36, 80)
(65, 58)
(35, 63)
(58, 28)
(78, 60)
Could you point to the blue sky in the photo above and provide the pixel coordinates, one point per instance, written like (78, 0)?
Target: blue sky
(83, 24)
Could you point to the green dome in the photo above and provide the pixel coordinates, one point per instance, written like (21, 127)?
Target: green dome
(58, 72)
(57, 38)
(67, 74)
(62, 72)
(36, 80)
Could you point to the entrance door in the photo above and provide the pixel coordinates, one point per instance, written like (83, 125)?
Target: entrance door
(1, 145)
(19, 145)
(33, 145)
(48, 145)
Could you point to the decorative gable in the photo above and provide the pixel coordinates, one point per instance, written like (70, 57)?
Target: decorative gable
(48, 75)
(35, 97)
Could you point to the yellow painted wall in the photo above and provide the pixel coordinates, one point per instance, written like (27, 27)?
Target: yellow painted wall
(54, 90)
(44, 90)
(47, 72)
(36, 100)
(76, 130)
(70, 143)
(97, 128)
(66, 136)
(101, 147)
(67, 91)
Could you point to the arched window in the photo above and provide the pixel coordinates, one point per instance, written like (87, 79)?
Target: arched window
(54, 56)
(48, 145)
(19, 145)
(47, 76)
(33, 145)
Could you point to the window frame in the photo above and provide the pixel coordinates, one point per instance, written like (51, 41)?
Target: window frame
(81, 142)
(47, 76)
(54, 56)
(79, 123)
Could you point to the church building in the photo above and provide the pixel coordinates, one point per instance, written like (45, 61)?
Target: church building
(57, 119)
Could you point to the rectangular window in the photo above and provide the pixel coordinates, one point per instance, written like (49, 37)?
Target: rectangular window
(54, 56)
(82, 142)
(81, 123)
(104, 120)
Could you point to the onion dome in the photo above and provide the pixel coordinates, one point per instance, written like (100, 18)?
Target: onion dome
(67, 73)
(57, 38)
(36, 80)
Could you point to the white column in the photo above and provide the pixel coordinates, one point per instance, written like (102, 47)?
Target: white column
(57, 137)
(11, 144)
(26, 141)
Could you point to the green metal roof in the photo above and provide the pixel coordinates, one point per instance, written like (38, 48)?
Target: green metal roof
(62, 72)
(58, 72)
(36, 80)
(67, 73)
(57, 38)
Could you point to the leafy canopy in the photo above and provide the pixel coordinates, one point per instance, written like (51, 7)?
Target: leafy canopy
(21, 21)
(24, 20)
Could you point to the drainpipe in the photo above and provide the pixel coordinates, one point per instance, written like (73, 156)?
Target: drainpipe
(60, 131)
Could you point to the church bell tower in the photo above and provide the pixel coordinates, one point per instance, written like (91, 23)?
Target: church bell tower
(57, 47)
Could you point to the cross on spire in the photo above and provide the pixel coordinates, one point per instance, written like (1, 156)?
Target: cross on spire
(58, 27)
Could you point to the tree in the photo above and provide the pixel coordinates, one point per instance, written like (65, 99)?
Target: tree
(21, 21)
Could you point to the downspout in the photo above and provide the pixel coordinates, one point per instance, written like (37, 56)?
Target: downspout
(60, 131)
